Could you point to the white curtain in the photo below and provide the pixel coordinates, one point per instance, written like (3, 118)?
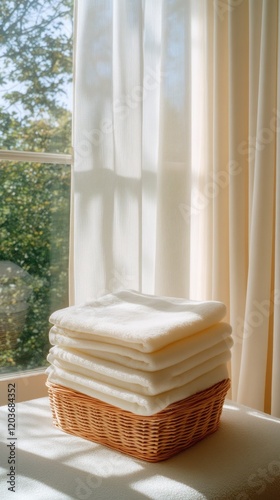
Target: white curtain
(176, 186)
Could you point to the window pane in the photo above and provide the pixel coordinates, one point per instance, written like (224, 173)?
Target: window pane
(36, 75)
(34, 243)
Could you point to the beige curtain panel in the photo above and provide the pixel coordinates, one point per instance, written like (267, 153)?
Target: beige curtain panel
(176, 187)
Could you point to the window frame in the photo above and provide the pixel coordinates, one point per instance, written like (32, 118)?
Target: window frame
(30, 384)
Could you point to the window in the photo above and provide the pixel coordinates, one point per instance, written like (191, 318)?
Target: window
(35, 170)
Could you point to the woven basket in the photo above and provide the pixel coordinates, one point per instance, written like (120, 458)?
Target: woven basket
(153, 438)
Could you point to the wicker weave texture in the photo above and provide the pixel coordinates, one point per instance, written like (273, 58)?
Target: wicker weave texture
(153, 438)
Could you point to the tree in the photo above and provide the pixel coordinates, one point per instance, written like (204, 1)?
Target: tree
(36, 60)
(36, 70)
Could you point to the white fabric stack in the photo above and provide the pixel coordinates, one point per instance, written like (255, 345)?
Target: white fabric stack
(139, 352)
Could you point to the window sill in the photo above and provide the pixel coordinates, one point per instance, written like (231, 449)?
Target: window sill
(29, 385)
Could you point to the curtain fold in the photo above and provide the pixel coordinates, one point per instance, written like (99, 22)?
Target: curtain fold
(238, 175)
(275, 361)
(176, 186)
(259, 306)
(174, 158)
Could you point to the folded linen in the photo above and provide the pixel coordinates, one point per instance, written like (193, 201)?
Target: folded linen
(125, 356)
(127, 400)
(146, 383)
(143, 322)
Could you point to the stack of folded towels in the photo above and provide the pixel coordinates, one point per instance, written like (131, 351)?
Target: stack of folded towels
(139, 352)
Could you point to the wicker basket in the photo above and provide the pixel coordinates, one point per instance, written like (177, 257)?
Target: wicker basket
(153, 438)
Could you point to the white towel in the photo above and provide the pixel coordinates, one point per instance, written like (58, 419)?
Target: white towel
(168, 356)
(143, 322)
(146, 383)
(127, 400)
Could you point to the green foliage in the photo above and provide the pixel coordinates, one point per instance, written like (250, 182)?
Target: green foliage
(36, 57)
(34, 235)
(36, 48)
(36, 135)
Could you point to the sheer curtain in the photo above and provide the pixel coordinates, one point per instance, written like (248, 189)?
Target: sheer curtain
(176, 185)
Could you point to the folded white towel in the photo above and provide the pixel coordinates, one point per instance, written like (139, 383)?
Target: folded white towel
(127, 400)
(143, 322)
(168, 356)
(149, 383)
